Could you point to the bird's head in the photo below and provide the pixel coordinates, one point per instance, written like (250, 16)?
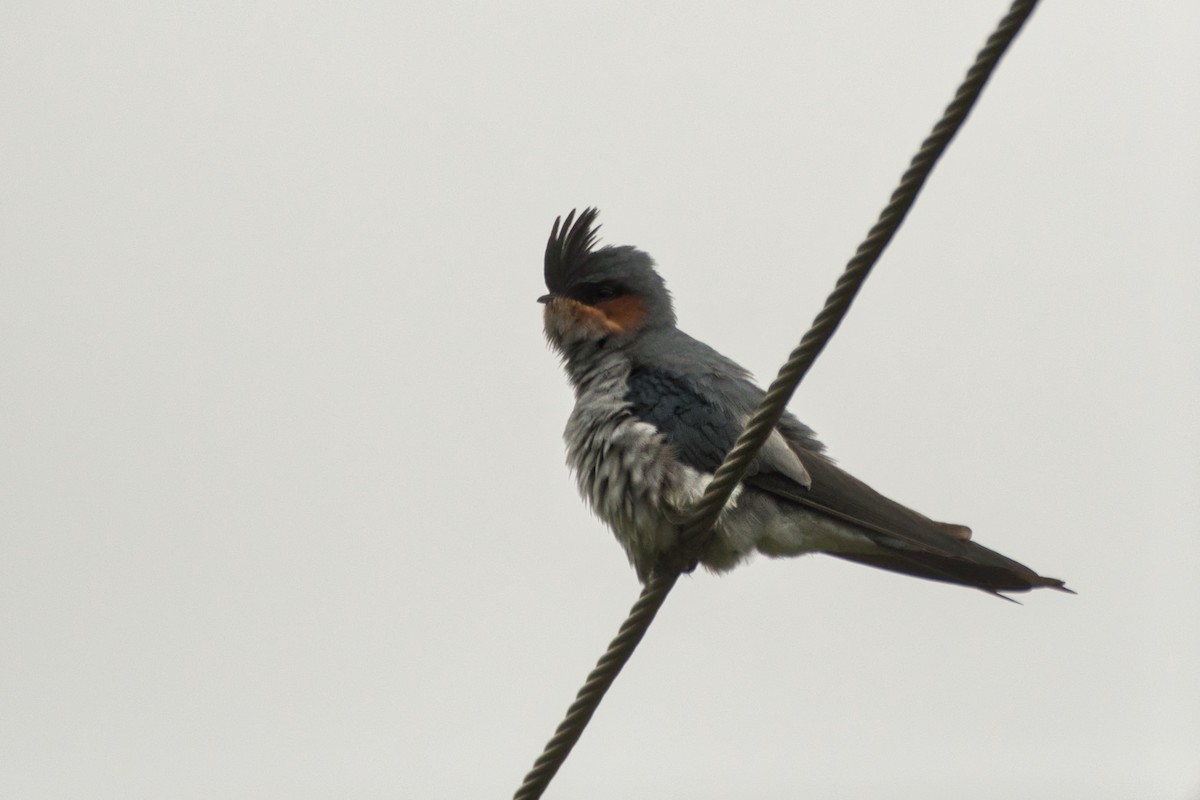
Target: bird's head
(605, 295)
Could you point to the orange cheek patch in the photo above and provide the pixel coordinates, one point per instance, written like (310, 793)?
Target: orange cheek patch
(625, 313)
(566, 315)
(567, 318)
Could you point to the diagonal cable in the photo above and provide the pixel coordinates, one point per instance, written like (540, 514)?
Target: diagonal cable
(704, 514)
(601, 677)
(760, 425)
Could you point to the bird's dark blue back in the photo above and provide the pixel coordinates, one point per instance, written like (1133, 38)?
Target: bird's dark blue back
(700, 432)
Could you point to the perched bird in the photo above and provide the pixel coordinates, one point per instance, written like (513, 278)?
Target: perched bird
(656, 411)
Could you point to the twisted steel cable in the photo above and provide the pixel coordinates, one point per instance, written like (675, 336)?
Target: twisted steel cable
(589, 696)
(704, 514)
(760, 425)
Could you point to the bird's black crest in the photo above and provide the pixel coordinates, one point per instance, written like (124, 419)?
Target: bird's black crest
(570, 244)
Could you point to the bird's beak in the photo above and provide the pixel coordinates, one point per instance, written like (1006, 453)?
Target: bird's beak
(546, 298)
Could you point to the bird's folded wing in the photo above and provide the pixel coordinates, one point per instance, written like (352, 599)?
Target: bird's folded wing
(702, 431)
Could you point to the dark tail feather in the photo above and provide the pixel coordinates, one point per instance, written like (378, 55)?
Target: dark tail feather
(905, 541)
(994, 578)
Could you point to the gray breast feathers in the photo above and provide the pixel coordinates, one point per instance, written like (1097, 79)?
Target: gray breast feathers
(627, 471)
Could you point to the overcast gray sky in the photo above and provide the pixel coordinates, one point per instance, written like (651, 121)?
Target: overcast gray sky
(282, 498)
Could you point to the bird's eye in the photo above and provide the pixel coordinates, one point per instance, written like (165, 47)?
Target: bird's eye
(593, 293)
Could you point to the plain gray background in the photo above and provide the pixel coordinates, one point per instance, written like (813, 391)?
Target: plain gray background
(282, 498)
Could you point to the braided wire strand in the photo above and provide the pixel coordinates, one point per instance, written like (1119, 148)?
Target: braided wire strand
(706, 510)
(654, 593)
(704, 514)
